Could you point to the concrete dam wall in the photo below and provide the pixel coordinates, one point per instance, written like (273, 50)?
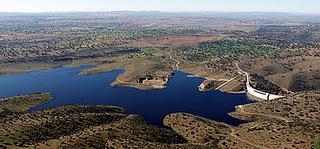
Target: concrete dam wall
(256, 93)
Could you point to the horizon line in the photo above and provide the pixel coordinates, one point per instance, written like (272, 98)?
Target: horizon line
(161, 11)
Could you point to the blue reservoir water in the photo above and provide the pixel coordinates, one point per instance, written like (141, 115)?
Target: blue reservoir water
(180, 95)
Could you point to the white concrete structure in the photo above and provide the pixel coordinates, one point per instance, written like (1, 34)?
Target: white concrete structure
(256, 93)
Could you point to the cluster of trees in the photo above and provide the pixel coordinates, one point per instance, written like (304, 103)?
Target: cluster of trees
(211, 50)
(300, 36)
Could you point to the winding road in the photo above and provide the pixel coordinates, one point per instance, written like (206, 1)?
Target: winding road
(240, 71)
(254, 92)
(177, 62)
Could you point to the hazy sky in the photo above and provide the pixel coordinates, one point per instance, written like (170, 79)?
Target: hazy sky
(302, 6)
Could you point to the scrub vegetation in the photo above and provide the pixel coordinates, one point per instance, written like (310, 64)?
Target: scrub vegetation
(279, 51)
